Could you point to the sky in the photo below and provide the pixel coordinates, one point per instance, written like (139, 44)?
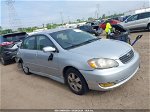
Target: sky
(26, 13)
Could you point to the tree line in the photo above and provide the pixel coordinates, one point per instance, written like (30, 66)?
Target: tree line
(52, 25)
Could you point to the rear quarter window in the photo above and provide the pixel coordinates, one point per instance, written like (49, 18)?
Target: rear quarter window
(144, 15)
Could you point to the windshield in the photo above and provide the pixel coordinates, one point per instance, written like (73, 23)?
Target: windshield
(72, 38)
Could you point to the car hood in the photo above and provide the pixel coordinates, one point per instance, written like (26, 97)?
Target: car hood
(103, 48)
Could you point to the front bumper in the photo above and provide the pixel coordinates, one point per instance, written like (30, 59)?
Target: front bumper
(118, 75)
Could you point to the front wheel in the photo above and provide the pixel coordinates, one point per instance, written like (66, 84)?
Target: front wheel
(76, 82)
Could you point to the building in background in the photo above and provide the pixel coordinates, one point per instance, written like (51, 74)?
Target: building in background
(131, 12)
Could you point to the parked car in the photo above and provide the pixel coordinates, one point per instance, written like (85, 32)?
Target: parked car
(122, 34)
(137, 21)
(89, 29)
(79, 59)
(95, 25)
(8, 46)
(111, 21)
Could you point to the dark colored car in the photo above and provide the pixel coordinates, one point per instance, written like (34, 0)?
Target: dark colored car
(94, 24)
(9, 46)
(119, 33)
(89, 29)
(111, 21)
(122, 34)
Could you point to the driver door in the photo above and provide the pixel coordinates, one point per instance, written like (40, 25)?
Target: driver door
(131, 22)
(46, 65)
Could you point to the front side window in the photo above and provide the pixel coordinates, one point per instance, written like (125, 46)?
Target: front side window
(29, 43)
(43, 41)
(71, 38)
(132, 18)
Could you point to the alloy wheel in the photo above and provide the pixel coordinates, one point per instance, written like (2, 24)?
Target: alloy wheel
(25, 69)
(74, 82)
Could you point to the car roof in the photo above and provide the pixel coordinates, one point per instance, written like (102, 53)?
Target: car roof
(140, 13)
(50, 31)
(12, 34)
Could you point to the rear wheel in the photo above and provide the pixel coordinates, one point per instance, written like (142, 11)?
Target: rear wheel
(76, 81)
(25, 69)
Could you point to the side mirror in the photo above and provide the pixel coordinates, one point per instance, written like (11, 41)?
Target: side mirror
(49, 49)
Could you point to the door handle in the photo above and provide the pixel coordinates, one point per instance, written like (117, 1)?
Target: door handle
(50, 57)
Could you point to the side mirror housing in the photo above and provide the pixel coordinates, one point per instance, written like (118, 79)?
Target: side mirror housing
(49, 49)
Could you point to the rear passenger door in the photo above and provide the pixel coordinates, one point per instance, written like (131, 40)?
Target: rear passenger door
(29, 51)
(45, 65)
(143, 19)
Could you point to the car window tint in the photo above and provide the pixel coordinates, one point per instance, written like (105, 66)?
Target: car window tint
(30, 43)
(135, 18)
(132, 18)
(144, 15)
(43, 41)
(14, 37)
(70, 37)
(82, 27)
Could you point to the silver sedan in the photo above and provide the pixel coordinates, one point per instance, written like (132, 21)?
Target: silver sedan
(78, 59)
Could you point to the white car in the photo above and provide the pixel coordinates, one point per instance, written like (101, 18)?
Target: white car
(137, 21)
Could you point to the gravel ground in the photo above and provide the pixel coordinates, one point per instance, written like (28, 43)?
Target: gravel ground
(19, 91)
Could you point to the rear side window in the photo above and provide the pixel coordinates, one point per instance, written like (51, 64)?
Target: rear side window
(29, 43)
(144, 15)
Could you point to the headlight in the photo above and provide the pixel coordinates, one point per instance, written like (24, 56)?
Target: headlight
(102, 63)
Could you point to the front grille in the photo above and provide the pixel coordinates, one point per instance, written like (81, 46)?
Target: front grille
(127, 57)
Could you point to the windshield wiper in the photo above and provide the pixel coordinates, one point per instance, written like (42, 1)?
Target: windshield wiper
(91, 40)
(83, 43)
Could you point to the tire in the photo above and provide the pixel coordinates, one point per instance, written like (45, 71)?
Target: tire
(3, 62)
(148, 27)
(96, 34)
(25, 69)
(76, 82)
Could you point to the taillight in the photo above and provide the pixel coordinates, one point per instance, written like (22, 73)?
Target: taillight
(6, 43)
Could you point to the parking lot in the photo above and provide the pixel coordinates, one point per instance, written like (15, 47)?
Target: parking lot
(20, 91)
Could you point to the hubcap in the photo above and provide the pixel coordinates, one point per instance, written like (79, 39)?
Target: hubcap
(74, 82)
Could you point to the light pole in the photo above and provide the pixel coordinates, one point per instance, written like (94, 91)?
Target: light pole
(61, 16)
